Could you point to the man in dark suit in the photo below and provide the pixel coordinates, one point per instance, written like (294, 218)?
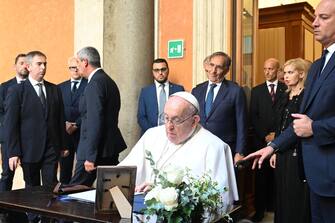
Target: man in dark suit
(223, 105)
(263, 103)
(34, 123)
(149, 105)
(71, 91)
(6, 181)
(314, 127)
(7, 175)
(100, 138)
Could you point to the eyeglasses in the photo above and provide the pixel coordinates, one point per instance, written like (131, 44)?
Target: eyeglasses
(174, 121)
(164, 69)
(73, 68)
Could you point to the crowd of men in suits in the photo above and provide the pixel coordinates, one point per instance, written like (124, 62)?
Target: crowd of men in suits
(85, 128)
(80, 116)
(41, 125)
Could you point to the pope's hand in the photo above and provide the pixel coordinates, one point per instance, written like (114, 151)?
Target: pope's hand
(89, 166)
(144, 187)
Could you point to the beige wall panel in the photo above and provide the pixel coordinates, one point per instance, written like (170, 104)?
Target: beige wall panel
(88, 25)
(309, 49)
(210, 33)
(271, 43)
(129, 51)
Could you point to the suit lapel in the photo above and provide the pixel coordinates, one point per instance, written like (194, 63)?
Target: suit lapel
(79, 91)
(316, 83)
(171, 89)
(266, 93)
(202, 103)
(153, 92)
(279, 92)
(49, 97)
(222, 93)
(67, 92)
(34, 100)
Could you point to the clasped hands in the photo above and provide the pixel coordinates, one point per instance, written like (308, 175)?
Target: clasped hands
(70, 127)
(302, 126)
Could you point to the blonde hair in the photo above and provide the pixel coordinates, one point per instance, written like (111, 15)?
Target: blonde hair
(300, 65)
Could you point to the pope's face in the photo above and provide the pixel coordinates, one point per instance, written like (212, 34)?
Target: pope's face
(183, 123)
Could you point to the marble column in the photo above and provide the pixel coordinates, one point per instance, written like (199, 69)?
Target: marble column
(128, 51)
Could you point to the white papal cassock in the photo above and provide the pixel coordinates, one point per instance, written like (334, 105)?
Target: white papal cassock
(202, 152)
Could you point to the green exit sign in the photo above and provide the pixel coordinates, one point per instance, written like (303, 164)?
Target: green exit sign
(176, 48)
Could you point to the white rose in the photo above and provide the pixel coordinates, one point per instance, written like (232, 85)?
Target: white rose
(169, 198)
(174, 175)
(153, 194)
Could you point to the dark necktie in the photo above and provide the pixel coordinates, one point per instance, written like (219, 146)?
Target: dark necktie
(74, 86)
(162, 101)
(323, 60)
(209, 99)
(272, 92)
(41, 94)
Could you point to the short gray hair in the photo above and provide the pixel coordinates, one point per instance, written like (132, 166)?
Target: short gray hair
(227, 59)
(91, 55)
(32, 54)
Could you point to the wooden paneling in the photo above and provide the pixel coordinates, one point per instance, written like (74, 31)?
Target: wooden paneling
(287, 27)
(271, 43)
(308, 47)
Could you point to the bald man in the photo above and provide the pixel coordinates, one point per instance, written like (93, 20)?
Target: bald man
(264, 99)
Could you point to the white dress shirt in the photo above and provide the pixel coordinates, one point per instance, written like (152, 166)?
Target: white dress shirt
(36, 87)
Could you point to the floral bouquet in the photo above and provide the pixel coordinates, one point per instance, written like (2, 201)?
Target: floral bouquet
(177, 196)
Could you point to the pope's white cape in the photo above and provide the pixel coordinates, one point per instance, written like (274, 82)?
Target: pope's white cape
(202, 152)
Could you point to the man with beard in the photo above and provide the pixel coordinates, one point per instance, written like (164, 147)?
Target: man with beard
(7, 175)
(152, 98)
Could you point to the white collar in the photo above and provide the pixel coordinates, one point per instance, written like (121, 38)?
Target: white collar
(157, 84)
(274, 82)
(92, 73)
(34, 82)
(331, 49)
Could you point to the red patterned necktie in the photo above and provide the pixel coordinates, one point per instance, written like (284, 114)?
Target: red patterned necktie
(272, 92)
